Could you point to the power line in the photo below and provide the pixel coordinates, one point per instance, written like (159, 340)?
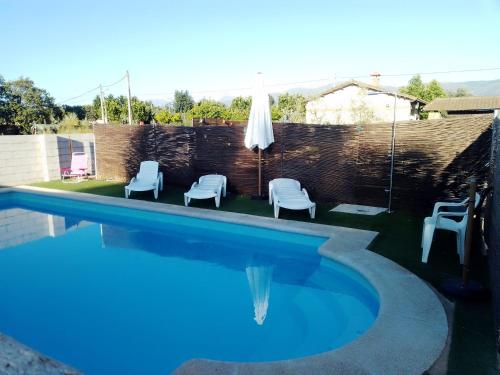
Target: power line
(442, 72)
(79, 96)
(329, 79)
(114, 83)
(92, 90)
(201, 92)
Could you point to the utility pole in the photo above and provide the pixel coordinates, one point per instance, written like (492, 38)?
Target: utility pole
(128, 97)
(102, 105)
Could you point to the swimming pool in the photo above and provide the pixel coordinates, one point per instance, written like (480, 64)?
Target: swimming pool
(118, 290)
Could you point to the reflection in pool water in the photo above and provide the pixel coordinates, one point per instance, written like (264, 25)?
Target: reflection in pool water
(109, 298)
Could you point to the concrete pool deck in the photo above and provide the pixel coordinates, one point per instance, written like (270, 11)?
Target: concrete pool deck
(407, 337)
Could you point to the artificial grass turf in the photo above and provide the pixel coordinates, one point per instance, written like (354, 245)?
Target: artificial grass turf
(473, 342)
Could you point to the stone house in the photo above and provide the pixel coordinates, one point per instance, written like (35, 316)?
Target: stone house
(355, 102)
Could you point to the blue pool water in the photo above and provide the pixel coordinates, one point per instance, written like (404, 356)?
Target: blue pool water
(113, 290)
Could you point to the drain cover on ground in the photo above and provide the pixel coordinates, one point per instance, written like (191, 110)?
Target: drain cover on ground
(358, 209)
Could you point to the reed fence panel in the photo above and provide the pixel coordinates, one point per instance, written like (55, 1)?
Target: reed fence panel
(336, 163)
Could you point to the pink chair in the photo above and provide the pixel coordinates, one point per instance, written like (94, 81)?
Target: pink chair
(78, 167)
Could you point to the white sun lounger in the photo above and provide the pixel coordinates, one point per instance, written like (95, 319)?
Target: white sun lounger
(209, 186)
(286, 193)
(147, 179)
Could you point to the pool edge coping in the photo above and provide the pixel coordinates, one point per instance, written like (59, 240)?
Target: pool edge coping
(411, 314)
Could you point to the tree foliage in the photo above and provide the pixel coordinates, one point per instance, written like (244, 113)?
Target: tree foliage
(78, 110)
(240, 108)
(209, 109)
(460, 92)
(434, 90)
(427, 92)
(93, 111)
(183, 101)
(141, 111)
(292, 107)
(165, 116)
(23, 104)
(72, 124)
(6, 110)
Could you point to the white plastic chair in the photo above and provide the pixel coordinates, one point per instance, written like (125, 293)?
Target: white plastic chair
(207, 187)
(286, 193)
(148, 178)
(442, 219)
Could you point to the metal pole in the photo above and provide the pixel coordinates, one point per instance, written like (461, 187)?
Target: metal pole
(260, 175)
(128, 97)
(393, 142)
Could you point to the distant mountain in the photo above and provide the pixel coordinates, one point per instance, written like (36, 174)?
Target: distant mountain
(476, 88)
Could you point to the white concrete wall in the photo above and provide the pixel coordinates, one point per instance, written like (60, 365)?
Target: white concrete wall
(26, 159)
(352, 104)
(20, 226)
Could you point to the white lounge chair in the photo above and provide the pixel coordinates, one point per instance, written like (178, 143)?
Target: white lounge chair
(148, 178)
(286, 193)
(209, 186)
(442, 218)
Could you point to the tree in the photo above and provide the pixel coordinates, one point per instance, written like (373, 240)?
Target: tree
(78, 110)
(6, 112)
(276, 114)
(415, 87)
(93, 111)
(183, 101)
(434, 90)
(292, 107)
(209, 109)
(460, 92)
(141, 111)
(27, 104)
(240, 108)
(165, 116)
(114, 107)
(422, 91)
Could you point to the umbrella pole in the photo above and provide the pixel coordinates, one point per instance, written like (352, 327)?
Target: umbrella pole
(260, 175)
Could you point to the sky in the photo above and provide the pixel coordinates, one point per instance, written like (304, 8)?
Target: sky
(214, 48)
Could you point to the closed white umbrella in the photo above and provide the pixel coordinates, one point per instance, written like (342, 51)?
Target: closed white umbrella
(260, 127)
(259, 280)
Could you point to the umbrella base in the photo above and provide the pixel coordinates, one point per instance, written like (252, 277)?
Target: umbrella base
(471, 290)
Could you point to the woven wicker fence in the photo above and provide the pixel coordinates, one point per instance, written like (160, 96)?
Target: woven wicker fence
(343, 163)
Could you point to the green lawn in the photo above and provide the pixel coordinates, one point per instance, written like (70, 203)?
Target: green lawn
(473, 344)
